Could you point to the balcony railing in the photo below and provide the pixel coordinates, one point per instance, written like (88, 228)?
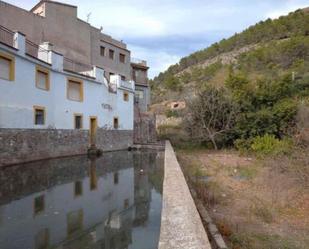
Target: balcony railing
(77, 67)
(6, 36)
(139, 61)
(126, 84)
(36, 51)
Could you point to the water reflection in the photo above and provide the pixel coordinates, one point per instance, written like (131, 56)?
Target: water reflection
(113, 202)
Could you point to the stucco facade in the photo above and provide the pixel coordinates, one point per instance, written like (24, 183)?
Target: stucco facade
(76, 39)
(23, 139)
(18, 97)
(58, 24)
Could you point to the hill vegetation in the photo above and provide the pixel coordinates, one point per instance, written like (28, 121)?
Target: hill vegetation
(296, 24)
(265, 85)
(247, 94)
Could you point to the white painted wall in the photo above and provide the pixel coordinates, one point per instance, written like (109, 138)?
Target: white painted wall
(18, 97)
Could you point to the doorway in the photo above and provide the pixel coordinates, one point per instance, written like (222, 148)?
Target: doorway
(93, 130)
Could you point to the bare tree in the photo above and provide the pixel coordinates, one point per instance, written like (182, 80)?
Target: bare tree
(211, 113)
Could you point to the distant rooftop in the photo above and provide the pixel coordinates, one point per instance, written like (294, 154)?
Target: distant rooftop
(139, 62)
(45, 1)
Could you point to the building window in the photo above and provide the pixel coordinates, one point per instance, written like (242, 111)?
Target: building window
(116, 178)
(39, 115)
(102, 51)
(116, 123)
(78, 188)
(122, 58)
(75, 90)
(39, 204)
(111, 54)
(123, 77)
(42, 78)
(78, 121)
(125, 96)
(7, 67)
(139, 94)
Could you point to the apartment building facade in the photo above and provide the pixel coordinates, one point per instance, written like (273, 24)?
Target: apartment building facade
(47, 110)
(58, 24)
(76, 39)
(142, 88)
(65, 86)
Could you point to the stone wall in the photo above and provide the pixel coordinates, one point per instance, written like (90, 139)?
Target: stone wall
(145, 129)
(111, 140)
(24, 145)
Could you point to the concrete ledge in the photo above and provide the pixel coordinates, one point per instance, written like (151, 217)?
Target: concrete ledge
(181, 225)
(148, 147)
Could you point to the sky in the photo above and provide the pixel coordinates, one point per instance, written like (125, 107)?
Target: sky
(164, 31)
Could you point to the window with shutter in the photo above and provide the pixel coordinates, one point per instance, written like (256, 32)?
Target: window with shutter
(39, 115)
(122, 58)
(116, 123)
(111, 54)
(75, 90)
(42, 78)
(5, 67)
(126, 96)
(78, 121)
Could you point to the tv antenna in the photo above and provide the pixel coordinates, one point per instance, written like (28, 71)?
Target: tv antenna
(88, 16)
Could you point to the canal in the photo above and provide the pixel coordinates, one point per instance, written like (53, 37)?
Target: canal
(111, 202)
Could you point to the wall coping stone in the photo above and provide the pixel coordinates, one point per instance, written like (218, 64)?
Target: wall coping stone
(181, 225)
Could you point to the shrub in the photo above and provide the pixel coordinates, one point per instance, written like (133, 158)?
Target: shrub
(269, 145)
(243, 145)
(173, 83)
(172, 113)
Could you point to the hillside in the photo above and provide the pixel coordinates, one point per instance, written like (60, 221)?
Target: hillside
(259, 45)
(238, 115)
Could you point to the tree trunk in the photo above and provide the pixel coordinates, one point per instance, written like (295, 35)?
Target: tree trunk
(214, 143)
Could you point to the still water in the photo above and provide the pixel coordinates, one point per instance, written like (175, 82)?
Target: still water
(111, 202)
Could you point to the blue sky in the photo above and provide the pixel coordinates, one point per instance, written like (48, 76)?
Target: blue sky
(163, 31)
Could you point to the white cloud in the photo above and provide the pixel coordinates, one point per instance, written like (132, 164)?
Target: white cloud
(126, 20)
(158, 21)
(158, 61)
(288, 6)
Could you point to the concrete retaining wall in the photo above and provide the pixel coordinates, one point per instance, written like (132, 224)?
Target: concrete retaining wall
(181, 225)
(24, 145)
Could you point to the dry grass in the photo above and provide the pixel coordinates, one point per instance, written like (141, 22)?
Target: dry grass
(255, 203)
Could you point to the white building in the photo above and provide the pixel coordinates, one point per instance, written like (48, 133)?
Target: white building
(51, 92)
(37, 94)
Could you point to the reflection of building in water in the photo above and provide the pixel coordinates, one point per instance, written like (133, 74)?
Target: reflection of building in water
(85, 204)
(73, 203)
(145, 165)
(142, 196)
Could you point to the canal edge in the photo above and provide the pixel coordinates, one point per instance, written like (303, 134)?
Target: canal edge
(181, 224)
